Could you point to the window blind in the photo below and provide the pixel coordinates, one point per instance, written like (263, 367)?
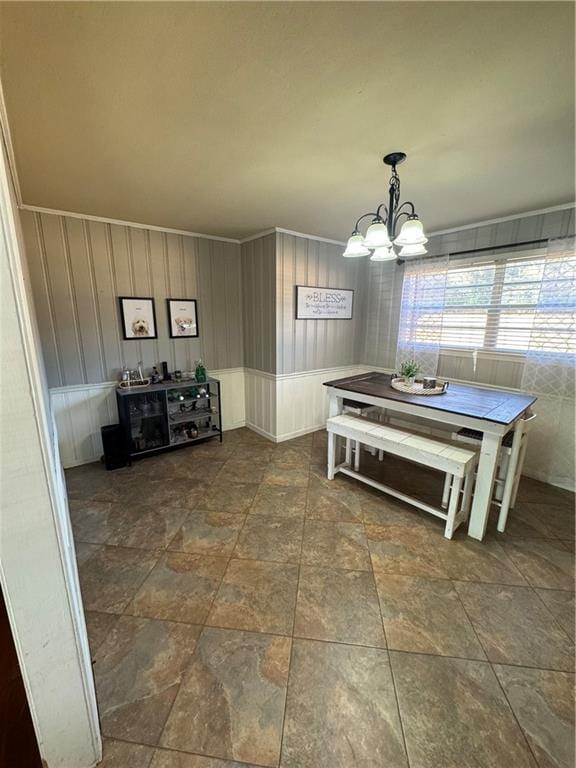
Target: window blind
(507, 304)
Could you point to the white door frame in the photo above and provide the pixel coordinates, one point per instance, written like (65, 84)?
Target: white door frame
(38, 572)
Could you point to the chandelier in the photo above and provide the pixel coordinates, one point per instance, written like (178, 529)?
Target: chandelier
(380, 237)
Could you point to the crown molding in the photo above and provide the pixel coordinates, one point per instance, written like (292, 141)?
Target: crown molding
(282, 231)
(488, 222)
(122, 223)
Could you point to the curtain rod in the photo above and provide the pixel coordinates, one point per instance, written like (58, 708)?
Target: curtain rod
(493, 248)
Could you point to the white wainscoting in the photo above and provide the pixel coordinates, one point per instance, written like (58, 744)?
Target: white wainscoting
(281, 407)
(302, 400)
(80, 411)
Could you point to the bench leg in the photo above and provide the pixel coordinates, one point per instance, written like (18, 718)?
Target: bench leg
(348, 457)
(331, 454)
(467, 495)
(446, 491)
(357, 448)
(380, 455)
(453, 507)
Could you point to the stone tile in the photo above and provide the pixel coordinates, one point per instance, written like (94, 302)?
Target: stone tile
(208, 533)
(545, 564)
(203, 468)
(90, 520)
(287, 456)
(120, 754)
(333, 504)
(180, 588)
(83, 482)
(85, 551)
(338, 605)
(514, 627)
(385, 510)
(279, 501)
(240, 471)
(407, 550)
(468, 560)
(259, 454)
(166, 758)
(98, 625)
(534, 491)
(341, 709)
(455, 714)
(144, 526)
(137, 672)
(133, 492)
(425, 616)
(543, 703)
(335, 545)
(110, 578)
(256, 596)
(232, 497)
(561, 606)
(546, 520)
(270, 538)
(231, 703)
(295, 476)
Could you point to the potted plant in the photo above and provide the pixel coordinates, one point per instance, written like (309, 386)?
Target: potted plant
(409, 370)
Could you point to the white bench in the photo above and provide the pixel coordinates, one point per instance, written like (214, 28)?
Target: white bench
(457, 463)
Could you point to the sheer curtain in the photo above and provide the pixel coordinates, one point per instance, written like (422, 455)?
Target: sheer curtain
(550, 366)
(421, 313)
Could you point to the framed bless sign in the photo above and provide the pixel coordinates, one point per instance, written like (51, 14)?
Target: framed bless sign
(315, 303)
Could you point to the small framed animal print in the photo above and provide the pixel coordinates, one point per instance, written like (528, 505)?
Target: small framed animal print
(138, 318)
(182, 318)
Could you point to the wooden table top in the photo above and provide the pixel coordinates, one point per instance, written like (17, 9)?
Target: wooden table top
(496, 405)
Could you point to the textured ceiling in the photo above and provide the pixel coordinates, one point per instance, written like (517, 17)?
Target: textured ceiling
(228, 118)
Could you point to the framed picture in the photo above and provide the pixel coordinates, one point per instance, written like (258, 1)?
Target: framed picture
(138, 318)
(317, 303)
(182, 318)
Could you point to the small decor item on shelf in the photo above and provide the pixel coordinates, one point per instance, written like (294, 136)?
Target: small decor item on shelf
(409, 370)
(165, 375)
(155, 377)
(200, 371)
(429, 382)
(177, 375)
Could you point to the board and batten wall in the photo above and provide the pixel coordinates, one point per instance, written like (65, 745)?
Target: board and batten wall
(78, 269)
(287, 360)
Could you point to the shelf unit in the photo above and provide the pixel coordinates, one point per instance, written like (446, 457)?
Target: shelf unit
(169, 415)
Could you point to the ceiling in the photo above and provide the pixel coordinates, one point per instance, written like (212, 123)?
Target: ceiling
(229, 118)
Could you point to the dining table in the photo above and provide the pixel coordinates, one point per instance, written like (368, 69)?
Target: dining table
(493, 412)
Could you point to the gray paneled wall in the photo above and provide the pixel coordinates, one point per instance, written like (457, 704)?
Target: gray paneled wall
(307, 345)
(259, 293)
(384, 295)
(78, 269)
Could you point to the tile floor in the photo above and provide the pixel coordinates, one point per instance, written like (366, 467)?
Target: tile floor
(244, 611)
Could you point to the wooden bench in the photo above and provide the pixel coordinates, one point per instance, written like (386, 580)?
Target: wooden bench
(457, 463)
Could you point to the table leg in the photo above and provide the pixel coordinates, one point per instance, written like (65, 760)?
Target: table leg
(489, 453)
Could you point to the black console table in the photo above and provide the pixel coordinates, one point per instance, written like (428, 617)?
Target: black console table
(163, 416)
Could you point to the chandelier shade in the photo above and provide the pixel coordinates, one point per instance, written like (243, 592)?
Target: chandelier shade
(413, 250)
(377, 235)
(412, 233)
(355, 248)
(383, 254)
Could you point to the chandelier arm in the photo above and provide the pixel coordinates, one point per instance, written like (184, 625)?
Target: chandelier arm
(385, 218)
(364, 215)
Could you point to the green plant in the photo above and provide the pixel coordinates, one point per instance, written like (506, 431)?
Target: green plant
(409, 369)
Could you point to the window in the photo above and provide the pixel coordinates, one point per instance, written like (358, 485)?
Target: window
(506, 305)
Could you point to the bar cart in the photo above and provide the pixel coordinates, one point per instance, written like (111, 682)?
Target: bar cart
(164, 416)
